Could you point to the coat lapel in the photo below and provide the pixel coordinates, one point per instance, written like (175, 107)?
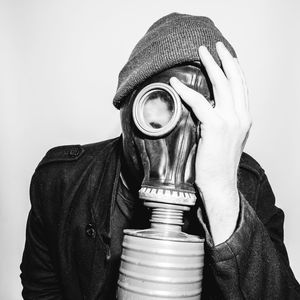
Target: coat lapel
(104, 181)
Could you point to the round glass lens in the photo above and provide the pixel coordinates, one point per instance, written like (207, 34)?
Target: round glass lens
(158, 108)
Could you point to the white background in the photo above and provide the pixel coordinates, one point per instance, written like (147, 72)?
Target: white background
(59, 62)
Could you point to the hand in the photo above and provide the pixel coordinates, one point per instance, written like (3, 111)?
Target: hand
(224, 131)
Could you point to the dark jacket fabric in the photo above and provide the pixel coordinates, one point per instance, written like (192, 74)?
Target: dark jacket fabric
(68, 234)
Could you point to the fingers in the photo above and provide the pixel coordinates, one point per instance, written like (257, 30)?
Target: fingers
(230, 90)
(246, 93)
(238, 87)
(228, 63)
(229, 87)
(221, 88)
(214, 72)
(234, 78)
(198, 103)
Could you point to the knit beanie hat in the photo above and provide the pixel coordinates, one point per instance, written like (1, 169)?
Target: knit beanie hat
(172, 40)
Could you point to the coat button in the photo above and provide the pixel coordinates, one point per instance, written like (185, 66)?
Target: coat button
(74, 152)
(90, 230)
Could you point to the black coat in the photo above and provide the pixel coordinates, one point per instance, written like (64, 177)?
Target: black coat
(68, 232)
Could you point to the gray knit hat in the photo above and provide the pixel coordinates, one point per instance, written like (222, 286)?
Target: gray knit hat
(172, 40)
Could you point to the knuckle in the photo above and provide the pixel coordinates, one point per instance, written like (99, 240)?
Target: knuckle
(246, 126)
(247, 123)
(234, 123)
(250, 122)
(220, 81)
(220, 123)
(225, 83)
(217, 124)
(236, 79)
(246, 90)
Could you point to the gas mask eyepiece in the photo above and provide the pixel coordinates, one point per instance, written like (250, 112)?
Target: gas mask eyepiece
(157, 109)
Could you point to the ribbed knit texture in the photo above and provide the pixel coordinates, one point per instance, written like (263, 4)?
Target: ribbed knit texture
(172, 40)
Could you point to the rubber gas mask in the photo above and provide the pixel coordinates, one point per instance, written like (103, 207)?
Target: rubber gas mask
(160, 135)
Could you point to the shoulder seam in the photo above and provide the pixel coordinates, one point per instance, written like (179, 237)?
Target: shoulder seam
(62, 153)
(69, 153)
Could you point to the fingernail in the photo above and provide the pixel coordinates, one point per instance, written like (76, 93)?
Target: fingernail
(202, 49)
(221, 46)
(219, 43)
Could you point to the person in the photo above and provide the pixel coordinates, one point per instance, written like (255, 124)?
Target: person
(83, 197)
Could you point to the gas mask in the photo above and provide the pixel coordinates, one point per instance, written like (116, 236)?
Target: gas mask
(160, 135)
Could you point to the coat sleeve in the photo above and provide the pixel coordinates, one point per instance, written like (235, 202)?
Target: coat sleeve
(38, 274)
(253, 262)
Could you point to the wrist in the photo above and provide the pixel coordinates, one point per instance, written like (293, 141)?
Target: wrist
(222, 209)
(218, 181)
(221, 204)
(218, 190)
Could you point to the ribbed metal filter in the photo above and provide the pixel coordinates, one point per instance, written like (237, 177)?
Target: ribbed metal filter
(156, 265)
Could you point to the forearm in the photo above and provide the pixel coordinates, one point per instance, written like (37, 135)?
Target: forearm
(248, 265)
(222, 208)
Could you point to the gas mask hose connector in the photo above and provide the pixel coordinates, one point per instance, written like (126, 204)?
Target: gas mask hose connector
(168, 219)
